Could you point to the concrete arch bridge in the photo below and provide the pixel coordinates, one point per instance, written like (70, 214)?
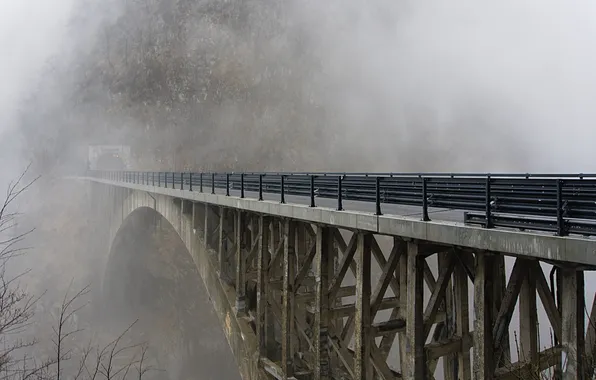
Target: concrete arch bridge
(335, 291)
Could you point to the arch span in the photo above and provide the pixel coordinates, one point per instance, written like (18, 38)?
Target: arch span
(151, 273)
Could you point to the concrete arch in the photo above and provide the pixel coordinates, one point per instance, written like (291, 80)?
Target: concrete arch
(215, 358)
(179, 214)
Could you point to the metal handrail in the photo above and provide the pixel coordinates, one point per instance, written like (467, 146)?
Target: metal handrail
(559, 203)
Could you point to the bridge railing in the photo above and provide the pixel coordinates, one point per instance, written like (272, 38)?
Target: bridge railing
(562, 204)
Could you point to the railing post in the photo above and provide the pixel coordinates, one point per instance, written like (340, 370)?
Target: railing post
(153, 179)
(201, 182)
(282, 192)
(181, 180)
(340, 205)
(158, 179)
(260, 187)
(212, 183)
(425, 199)
(190, 181)
(561, 231)
(312, 191)
(227, 184)
(241, 185)
(173, 180)
(378, 196)
(165, 179)
(489, 216)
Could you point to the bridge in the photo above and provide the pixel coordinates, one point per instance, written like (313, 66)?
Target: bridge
(387, 275)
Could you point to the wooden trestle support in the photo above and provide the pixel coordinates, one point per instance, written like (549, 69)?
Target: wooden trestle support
(333, 304)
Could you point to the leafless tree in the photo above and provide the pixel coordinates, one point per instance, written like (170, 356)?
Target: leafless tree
(114, 360)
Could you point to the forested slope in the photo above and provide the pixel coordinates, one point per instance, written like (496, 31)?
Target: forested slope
(253, 85)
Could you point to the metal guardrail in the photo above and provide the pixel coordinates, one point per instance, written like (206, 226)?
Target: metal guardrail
(563, 204)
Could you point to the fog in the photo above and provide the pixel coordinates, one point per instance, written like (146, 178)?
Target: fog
(300, 85)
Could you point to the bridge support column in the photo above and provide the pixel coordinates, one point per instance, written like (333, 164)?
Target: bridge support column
(322, 263)
(483, 304)
(572, 338)
(288, 306)
(528, 321)
(462, 323)
(223, 245)
(447, 328)
(415, 356)
(262, 319)
(362, 363)
(240, 264)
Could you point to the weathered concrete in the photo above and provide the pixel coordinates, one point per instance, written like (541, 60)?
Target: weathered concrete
(241, 338)
(262, 248)
(545, 247)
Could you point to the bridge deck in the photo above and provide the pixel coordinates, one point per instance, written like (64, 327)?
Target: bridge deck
(398, 221)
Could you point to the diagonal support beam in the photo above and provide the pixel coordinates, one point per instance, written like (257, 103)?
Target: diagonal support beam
(346, 261)
(503, 319)
(437, 296)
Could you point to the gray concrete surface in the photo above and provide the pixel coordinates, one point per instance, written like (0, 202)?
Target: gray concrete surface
(397, 220)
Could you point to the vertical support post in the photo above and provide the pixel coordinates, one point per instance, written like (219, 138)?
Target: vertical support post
(227, 184)
(206, 227)
(261, 320)
(241, 185)
(483, 294)
(499, 281)
(312, 190)
(282, 190)
(488, 210)
(403, 302)
(260, 187)
(181, 180)
(190, 181)
(378, 196)
(362, 349)
(222, 244)
(159, 179)
(572, 337)
(287, 322)
(201, 182)
(528, 319)
(240, 266)
(324, 246)
(462, 323)
(425, 217)
(275, 237)
(560, 221)
(415, 355)
(340, 205)
(212, 183)
(450, 360)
